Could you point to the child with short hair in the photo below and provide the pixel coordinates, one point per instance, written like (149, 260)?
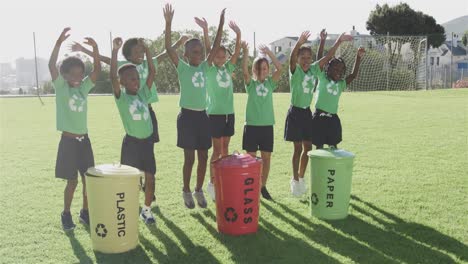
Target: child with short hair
(220, 100)
(298, 125)
(327, 124)
(132, 102)
(259, 121)
(75, 152)
(192, 122)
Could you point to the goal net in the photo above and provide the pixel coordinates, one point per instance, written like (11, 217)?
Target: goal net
(390, 63)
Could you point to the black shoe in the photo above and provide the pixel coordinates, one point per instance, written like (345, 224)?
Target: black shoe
(84, 216)
(265, 193)
(67, 221)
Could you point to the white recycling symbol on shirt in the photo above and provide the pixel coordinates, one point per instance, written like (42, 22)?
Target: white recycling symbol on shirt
(198, 80)
(137, 109)
(261, 90)
(223, 78)
(76, 103)
(331, 88)
(308, 84)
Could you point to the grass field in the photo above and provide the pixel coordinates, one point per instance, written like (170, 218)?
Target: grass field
(409, 193)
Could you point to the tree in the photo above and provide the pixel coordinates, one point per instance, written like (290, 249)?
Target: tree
(465, 38)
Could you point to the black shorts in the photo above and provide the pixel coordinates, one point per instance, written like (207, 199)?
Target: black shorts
(298, 126)
(327, 128)
(257, 138)
(74, 154)
(155, 135)
(222, 125)
(138, 153)
(193, 130)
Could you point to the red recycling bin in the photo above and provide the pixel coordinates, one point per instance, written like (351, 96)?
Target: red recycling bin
(237, 184)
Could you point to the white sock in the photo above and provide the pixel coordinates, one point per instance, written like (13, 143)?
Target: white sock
(301, 179)
(146, 208)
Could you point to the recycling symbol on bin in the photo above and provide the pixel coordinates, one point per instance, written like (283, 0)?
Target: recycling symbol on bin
(230, 215)
(314, 199)
(101, 230)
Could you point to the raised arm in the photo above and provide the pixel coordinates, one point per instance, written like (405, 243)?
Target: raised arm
(331, 53)
(181, 41)
(77, 47)
(245, 62)
(54, 72)
(360, 53)
(295, 52)
(113, 67)
(278, 67)
(323, 38)
(168, 15)
(236, 54)
(217, 40)
(204, 25)
(151, 68)
(96, 61)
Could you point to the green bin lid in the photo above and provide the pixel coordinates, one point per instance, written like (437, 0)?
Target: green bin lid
(328, 153)
(113, 170)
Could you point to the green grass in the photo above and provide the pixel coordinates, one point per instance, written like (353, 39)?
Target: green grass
(409, 188)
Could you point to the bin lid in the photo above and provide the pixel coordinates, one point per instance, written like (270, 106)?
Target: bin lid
(328, 153)
(113, 170)
(237, 160)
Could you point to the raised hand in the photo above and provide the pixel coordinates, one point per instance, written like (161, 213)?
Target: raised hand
(361, 51)
(221, 19)
(64, 35)
(304, 37)
(323, 34)
(142, 43)
(234, 27)
(76, 47)
(90, 41)
(344, 37)
(184, 38)
(117, 43)
(202, 23)
(244, 45)
(168, 12)
(264, 49)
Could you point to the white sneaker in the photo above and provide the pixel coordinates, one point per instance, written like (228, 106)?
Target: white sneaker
(211, 191)
(302, 185)
(200, 197)
(188, 200)
(147, 216)
(295, 188)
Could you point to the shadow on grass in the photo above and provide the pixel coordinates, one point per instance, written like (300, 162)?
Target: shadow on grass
(269, 244)
(78, 250)
(137, 255)
(421, 234)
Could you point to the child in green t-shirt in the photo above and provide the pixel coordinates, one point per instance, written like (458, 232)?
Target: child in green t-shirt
(258, 129)
(220, 100)
(298, 124)
(75, 152)
(326, 123)
(192, 122)
(132, 102)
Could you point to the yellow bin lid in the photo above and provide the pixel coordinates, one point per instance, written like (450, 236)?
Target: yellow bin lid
(113, 170)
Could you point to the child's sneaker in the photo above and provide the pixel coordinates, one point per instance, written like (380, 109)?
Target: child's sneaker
(296, 188)
(188, 200)
(266, 194)
(84, 216)
(147, 216)
(303, 186)
(67, 221)
(200, 197)
(211, 191)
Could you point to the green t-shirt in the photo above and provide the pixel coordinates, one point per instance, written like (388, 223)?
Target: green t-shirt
(71, 105)
(260, 103)
(302, 85)
(220, 94)
(192, 82)
(143, 73)
(134, 112)
(328, 93)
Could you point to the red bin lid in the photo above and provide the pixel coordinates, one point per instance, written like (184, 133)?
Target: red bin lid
(237, 160)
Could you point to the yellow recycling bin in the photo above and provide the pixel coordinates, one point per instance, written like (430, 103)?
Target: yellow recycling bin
(113, 207)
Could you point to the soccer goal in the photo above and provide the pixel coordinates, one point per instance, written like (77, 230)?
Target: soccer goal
(390, 63)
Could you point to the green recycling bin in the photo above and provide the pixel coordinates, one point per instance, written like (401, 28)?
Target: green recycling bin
(113, 207)
(331, 171)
